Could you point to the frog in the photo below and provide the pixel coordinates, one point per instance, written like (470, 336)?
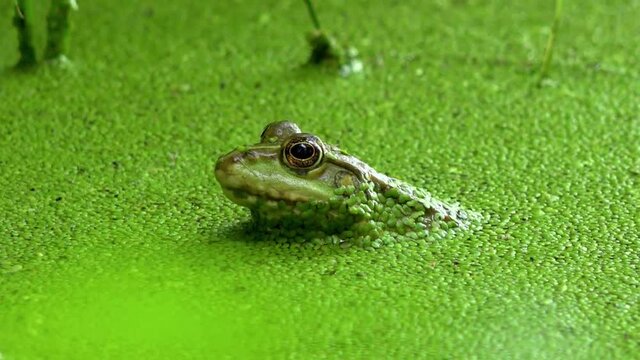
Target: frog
(293, 180)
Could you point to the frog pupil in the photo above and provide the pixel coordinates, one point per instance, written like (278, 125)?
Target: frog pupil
(302, 151)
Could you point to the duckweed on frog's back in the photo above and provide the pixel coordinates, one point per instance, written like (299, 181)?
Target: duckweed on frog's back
(297, 185)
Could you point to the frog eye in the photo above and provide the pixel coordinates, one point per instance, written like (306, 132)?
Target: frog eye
(302, 152)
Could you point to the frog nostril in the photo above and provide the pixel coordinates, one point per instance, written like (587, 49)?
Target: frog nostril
(228, 161)
(252, 154)
(219, 164)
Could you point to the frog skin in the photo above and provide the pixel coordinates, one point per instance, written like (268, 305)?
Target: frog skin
(293, 180)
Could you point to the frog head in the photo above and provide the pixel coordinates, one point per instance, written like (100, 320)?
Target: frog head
(286, 165)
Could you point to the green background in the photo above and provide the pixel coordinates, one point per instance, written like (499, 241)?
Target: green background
(116, 241)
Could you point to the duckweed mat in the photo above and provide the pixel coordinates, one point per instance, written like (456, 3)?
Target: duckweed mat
(116, 241)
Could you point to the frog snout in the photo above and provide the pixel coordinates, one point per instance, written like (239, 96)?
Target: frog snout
(222, 167)
(227, 161)
(229, 166)
(220, 164)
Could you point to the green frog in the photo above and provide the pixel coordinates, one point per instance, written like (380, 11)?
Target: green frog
(293, 181)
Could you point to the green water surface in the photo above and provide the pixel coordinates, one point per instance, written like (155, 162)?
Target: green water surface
(116, 241)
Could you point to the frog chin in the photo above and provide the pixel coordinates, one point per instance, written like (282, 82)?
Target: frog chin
(247, 199)
(250, 198)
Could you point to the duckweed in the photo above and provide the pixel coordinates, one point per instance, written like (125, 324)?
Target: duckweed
(143, 257)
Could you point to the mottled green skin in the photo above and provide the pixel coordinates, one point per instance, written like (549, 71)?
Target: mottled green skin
(341, 195)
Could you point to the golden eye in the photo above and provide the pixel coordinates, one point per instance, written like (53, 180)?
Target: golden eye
(302, 152)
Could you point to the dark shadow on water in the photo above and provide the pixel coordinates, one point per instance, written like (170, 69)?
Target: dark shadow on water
(17, 70)
(40, 71)
(305, 72)
(241, 231)
(275, 241)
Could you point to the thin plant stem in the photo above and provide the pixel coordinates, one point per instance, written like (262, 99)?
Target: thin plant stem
(22, 22)
(548, 52)
(58, 28)
(312, 13)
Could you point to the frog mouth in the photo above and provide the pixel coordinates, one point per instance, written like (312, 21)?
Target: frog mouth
(251, 198)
